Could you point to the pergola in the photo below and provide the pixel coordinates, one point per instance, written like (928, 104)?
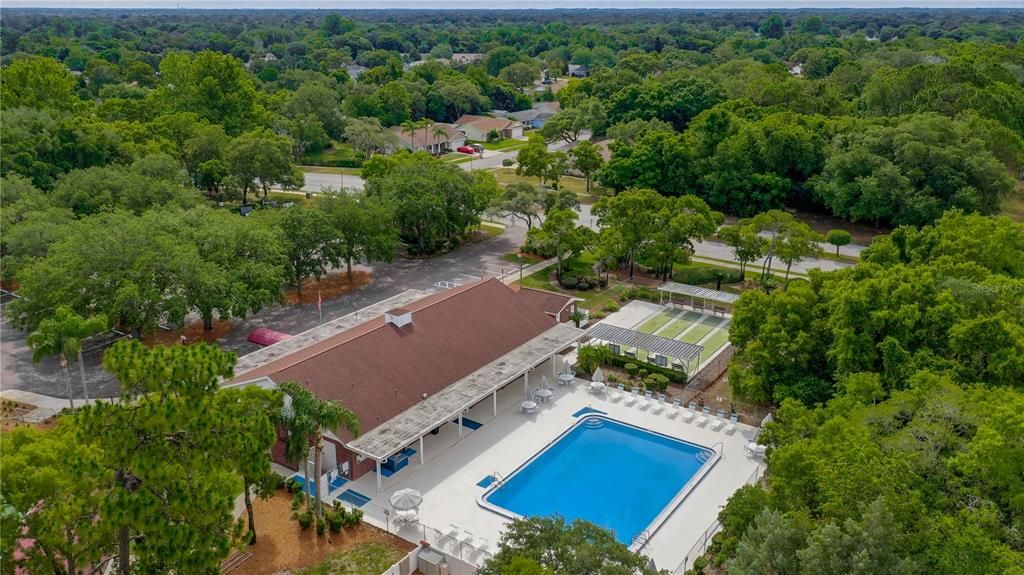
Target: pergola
(679, 354)
(700, 297)
(397, 433)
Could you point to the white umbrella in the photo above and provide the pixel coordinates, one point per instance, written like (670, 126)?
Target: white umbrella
(598, 375)
(406, 499)
(566, 368)
(544, 382)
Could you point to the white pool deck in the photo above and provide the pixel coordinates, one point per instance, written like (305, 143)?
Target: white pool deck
(453, 466)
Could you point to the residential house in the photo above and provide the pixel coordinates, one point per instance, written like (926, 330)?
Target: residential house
(463, 58)
(429, 141)
(477, 128)
(578, 71)
(535, 117)
(414, 369)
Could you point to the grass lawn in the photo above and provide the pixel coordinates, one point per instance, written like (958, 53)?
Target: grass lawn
(509, 144)
(492, 229)
(332, 170)
(338, 152)
(576, 185)
(1013, 205)
(521, 259)
(363, 559)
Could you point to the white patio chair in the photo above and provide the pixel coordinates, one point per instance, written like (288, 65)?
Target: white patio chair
(618, 393)
(646, 401)
(704, 416)
(659, 404)
(691, 411)
(754, 449)
(731, 428)
(453, 531)
(673, 411)
(632, 397)
(719, 421)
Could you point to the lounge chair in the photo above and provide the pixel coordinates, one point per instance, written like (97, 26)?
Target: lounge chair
(689, 412)
(453, 531)
(719, 420)
(731, 428)
(704, 416)
(632, 397)
(618, 393)
(646, 401)
(659, 405)
(674, 411)
(484, 545)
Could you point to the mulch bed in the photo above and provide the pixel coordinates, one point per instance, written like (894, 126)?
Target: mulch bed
(193, 334)
(282, 546)
(328, 287)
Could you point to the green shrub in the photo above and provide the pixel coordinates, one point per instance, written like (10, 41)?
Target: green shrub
(352, 518)
(642, 372)
(569, 282)
(321, 526)
(631, 368)
(610, 306)
(305, 519)
(334, 520)
(298, 498)
(645, 294)
(584, 285)
(705, 275)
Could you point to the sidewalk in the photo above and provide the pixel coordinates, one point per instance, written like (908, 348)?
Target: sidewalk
(46, 406)
(529, 270)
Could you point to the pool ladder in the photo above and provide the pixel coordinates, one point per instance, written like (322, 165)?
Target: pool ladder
(498, 479)
(641, 539)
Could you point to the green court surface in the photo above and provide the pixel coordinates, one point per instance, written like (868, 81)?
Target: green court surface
(700, 330)
(652, 324)
(679, 325)
(714, 342)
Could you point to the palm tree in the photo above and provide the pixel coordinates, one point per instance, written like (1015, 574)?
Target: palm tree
(61, 336)
(425, 123)
(315, 417)
(440, 133)
(410, 127)
(297, 422)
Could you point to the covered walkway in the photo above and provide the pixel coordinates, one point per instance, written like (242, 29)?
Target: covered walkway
(408, 428)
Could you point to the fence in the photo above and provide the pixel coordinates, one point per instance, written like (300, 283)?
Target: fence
(708, 374)
(453, 543)
(701, 545)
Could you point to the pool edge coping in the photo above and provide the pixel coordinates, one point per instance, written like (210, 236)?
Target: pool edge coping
(659, 520)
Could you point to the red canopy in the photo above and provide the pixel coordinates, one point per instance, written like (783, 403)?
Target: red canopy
(264, 336)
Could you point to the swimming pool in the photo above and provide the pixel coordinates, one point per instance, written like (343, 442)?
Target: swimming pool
(607, 472)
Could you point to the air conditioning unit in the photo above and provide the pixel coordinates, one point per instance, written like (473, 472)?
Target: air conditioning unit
(430, 562)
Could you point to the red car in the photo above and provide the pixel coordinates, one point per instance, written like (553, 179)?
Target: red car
(466, 149)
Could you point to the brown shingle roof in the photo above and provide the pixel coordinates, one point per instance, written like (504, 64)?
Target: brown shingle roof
(378, 370)
(485, 124)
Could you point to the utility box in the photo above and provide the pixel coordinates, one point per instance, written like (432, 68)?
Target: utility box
(430, 562)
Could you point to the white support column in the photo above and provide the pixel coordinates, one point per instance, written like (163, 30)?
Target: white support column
(460, 425)
(526, 381)
(378, 477)
(494, 399)
(553, 370)
(422, 457)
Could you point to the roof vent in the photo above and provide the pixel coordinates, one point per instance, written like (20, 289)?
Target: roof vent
(398, 317)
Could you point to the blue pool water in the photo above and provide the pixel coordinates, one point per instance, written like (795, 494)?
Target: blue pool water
(606, 472)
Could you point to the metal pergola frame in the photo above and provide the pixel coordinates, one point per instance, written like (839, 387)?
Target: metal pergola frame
(725, 299)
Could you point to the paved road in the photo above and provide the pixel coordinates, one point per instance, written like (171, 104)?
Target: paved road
(317, 181)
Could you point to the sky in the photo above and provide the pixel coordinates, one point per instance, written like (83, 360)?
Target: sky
(511, 4)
